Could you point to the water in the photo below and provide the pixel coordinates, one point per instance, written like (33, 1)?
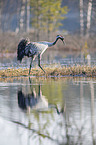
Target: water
(51, 111)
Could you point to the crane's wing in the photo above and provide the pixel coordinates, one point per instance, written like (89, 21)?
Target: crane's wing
(35, 48)
(31, 50)
(41, 46)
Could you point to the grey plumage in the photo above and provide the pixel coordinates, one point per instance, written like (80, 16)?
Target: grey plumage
(34, 49)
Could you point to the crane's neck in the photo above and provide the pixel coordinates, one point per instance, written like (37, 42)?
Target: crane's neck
(53, 43)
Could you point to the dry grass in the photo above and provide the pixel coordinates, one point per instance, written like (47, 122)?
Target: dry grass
(60, 71)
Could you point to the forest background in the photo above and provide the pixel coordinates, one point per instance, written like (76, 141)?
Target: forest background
(41, 20)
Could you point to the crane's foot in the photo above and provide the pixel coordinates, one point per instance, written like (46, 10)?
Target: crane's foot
(29, 71)
(42, 69)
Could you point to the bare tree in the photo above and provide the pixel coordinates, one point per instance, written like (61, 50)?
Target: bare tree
(22, 14)
(89, 13)
(0, 15)
(81, 18)
(27, 15)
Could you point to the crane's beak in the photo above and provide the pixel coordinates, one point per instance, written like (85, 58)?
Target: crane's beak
(62, 38)
(63, 41)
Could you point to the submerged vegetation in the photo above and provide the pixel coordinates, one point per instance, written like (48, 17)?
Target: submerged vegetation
(60, 71)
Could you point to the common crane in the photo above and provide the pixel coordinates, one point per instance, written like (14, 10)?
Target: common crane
(34, 49)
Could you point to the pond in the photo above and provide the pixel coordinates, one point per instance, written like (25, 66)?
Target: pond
(52, 111)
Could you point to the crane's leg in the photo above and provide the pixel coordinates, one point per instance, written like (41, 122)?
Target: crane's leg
(30, 65)
(39, 59)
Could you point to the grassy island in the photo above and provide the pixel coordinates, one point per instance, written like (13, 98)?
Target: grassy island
(60, 71)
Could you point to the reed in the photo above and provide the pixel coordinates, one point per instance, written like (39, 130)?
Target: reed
(53, 71)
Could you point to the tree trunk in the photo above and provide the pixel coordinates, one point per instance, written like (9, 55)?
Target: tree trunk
(38, 31)
(38, 27)
(0, 20)
(0, 16)
(22, 14)
(89, 12)
(81, 19)
(27, 16)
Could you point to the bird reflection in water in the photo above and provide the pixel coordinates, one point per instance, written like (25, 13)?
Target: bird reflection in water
(26, 101)
(34, 100)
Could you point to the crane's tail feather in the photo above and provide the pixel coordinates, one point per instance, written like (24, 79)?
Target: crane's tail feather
(21, 49)
(20, 55)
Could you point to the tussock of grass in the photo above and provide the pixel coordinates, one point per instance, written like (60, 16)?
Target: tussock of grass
(60, 71)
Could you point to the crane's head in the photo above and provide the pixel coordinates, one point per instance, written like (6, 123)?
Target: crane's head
(21, 48)
(60, 37)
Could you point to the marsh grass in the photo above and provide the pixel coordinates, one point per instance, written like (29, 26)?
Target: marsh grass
(53, 71)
